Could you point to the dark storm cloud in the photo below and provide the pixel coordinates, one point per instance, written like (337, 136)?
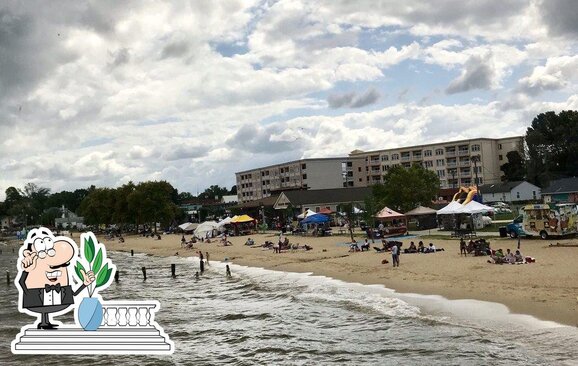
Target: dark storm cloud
(561, 17)
(478, 74)
(353, 100)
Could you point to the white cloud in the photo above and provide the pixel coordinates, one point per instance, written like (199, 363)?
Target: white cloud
(107, 92)
(557, 73)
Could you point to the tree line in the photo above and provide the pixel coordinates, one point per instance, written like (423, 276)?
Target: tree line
(550, 151)
(145, 202)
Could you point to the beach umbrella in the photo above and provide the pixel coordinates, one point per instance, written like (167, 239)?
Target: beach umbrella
(242, 218)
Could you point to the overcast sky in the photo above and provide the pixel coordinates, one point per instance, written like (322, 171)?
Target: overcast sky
(104, 92)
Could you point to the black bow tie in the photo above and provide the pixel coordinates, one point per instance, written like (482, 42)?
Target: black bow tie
(49, 288)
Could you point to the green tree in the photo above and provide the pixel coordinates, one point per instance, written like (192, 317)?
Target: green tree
(70, 200)
(552, 147)
(348, 210)
(214, 192)
(122, 213)
(515, 168)
(184, 197)
(406, 188)
(152, 202)
(98, 206)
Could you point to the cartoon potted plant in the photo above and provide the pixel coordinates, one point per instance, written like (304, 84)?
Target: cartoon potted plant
(93, 254)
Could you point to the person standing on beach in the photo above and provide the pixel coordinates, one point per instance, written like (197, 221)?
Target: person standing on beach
(201, 263)
(228, 273)
(207, 258)
(395, 255)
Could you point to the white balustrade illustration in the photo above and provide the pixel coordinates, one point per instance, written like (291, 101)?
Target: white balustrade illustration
(127, 327)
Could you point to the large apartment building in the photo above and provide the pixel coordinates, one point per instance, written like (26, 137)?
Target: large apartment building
(301, 174)
(455, 162)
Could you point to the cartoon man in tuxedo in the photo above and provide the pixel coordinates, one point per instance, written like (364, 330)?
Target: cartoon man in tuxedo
(43, 269)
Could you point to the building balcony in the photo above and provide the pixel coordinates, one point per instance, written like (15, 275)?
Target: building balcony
(465, 175)
(450, 153)
(374, 161)
(417, 157)
(464, 152)
(405, 158)
(465, 163)
(450, 165)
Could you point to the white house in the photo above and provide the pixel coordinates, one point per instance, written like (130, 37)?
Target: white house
(510, 192)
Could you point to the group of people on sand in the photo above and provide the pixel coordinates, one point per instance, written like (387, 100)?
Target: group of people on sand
(498, 257)
(421, 248)
(477, 248)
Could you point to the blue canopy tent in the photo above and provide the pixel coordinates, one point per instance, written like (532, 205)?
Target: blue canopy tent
(315, 219)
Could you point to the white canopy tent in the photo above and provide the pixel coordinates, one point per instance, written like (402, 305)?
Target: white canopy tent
(204, 228)
(226, 221)
(452, 208)
(306, 214)
(474, 207)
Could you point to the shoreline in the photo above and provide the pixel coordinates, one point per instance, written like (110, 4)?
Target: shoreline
(546, 290)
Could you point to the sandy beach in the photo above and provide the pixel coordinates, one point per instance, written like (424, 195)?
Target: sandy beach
(547, 289)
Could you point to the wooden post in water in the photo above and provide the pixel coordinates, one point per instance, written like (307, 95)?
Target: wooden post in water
(173, 270)
(116, 276)
(132, 253)
(144, 273)
(7, 277)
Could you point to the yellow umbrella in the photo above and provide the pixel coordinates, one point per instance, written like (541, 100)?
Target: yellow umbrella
(242, 218)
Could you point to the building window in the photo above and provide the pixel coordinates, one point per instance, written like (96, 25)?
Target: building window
(440, 162)
(303, 166)
(395, 157)
(349, 164)
(428, 164)
(359, 169)
(499, 146)
(439, 152)
(476, 147)
(534, 194)
(441, 173)
(480, 181)
(304, 176)
(267, 172)
(518, 195)
(384, 157)
(360, 179)
(500, 157)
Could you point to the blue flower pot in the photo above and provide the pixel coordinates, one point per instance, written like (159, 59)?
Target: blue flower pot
(90, 313)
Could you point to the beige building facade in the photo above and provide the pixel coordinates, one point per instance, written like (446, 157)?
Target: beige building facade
(455, 162)
(323, 173)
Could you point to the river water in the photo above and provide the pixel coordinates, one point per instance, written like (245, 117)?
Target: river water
(262, 317)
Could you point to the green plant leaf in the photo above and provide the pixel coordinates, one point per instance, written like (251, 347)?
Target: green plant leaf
(101, 278)
(89, 249)
(78, 268)
(97, 261)
(108, 274)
